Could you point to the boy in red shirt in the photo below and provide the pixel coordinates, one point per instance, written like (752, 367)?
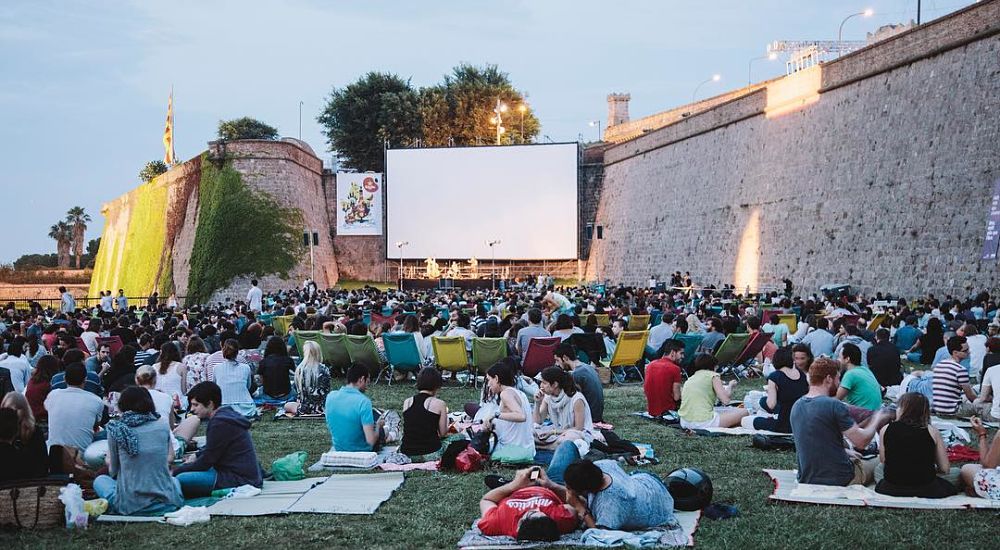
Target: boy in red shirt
(527, 509)
(662, 385)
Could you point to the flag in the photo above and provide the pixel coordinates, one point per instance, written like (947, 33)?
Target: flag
(168, 132)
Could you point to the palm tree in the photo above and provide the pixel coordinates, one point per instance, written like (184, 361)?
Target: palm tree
(62, 232)
(78, 219)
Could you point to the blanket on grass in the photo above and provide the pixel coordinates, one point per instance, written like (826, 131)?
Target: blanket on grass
(787, 488)
(671, 422)
(681, 534)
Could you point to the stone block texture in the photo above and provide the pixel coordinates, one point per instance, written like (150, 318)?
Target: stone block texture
(877, 171)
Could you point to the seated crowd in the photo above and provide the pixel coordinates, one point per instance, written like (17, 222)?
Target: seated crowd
(117, 397)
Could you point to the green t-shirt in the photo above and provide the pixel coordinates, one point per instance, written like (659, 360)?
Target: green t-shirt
(863, 389)
(698, 397)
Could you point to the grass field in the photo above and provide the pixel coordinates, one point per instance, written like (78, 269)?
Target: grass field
(432, 510)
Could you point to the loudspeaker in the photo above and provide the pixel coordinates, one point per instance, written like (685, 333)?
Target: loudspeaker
(600, 231)
(590, 231)
(305, 239)
(315, 239)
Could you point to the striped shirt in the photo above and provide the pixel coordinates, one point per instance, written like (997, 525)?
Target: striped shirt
(949, 377)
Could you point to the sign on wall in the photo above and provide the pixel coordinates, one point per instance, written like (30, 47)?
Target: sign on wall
(359, 203)
(992, 241)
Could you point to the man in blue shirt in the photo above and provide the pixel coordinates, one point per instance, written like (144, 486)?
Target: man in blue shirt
(820, 341)
(907, 335)
(350, 417)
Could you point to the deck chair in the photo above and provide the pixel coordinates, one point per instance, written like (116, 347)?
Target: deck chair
(630, 350)
(731, 347)
(691, 344)
(362, 351)
(82, 346)
(264, 318)
(450, 353)
(590, 347)
(281, 324)
(334, 348)
(603, 319)
(541, 354)
(383, 318)
(114, 343)
(485, 353)
(638, 322)
(754, 346)
(875, 323)
(303, 336)
(401, 352)
(790, 320)
(655, 318)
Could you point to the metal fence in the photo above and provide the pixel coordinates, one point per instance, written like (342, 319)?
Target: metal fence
(23, 303)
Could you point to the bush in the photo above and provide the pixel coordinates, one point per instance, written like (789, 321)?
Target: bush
(152, 169)
(246, 128)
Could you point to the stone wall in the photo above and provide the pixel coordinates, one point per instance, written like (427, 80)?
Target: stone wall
(875, 170)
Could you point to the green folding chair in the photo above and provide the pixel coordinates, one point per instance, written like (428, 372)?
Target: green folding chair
(731, 348)
(486, 352)
(334, 349)
(303, 336)
(363, 352)
(281, 323)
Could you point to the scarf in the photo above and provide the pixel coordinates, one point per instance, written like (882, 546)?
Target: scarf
(560, 410)
(120, 431)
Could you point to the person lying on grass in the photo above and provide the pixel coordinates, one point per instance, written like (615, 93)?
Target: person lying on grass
(529, 507)
(820, 423)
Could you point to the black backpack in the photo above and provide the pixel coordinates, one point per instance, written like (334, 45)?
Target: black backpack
(6, 384)
(773, 442)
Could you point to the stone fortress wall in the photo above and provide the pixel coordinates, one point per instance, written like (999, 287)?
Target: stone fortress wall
(875, 169)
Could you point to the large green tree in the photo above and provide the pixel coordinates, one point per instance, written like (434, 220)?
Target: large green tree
(78, 219)
(360, 117)
(246, 128)
(460, 110)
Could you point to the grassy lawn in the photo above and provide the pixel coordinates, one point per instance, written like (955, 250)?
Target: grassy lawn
(432, 510)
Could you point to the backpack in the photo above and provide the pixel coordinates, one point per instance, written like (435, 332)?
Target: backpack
(773, 442)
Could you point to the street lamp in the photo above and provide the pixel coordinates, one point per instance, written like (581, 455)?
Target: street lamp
(300, 119)
(493, 257)
(600, 137)
(400, 245)
(522, 108)
(497, 119)
(840, 33)
(770, 57)
(715, 78)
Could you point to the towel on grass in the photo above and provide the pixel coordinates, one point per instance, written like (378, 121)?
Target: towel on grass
(681, 534)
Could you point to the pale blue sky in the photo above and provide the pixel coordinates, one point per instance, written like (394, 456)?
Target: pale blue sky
(84, 85)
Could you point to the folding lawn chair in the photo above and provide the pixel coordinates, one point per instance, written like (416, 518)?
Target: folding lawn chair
(603, 319)
(541, 354)
(731, 347)
(790, 320)
(691, 344)
(753, 347)
(630, 350)
(450, 354)
(303, 336)
(590, 347)
(401, 352)
(334, 349)
(281, 324)
(875, 323)
(485, 353)
(114, 343)
(638, 322)
(362, 351)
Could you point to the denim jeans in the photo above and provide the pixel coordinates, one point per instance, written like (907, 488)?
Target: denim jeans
(197, 484)
(106, 487)
(566, 454)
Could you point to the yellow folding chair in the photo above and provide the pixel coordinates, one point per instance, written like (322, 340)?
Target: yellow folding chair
(631, 349)
(877, 321)
(449, 353)
(790, 320)
(638, 322)
(281, 323)
(603, 319)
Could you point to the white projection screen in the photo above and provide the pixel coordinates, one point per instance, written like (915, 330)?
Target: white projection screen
(446, 202)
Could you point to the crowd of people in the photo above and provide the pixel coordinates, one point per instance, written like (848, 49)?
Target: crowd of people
(116, 394)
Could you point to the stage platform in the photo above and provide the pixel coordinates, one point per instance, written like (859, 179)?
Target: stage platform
(447, 284)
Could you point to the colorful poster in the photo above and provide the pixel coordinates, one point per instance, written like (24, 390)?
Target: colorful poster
(359, 203)
(992, 241)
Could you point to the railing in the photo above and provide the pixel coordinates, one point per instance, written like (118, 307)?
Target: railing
(22, 303)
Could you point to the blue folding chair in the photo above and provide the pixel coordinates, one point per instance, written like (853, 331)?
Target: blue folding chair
(401, 352)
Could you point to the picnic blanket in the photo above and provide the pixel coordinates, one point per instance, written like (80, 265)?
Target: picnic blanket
(681, 534)
(667, 421)
(787, 488)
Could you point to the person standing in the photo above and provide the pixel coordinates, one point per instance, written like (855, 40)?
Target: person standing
(255, 297)
(122, 301)
(67, 302)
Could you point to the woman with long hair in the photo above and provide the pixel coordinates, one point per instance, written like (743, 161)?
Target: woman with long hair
(559, 402)
(312, 382)
(275, 369)
(913, 454)
(236, 381)
(170, 374)
(39, 386)
(511, 422)
(928, 343)
(195, 356)
(29, 442)
(122, 371)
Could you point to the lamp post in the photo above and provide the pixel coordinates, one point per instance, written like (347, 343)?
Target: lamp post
(715, 78)
(300, 120)
(600, 137)
(497, 119)
(493, 258)
(840, 33)
(770, 57)
(400, 245)
(522, 108)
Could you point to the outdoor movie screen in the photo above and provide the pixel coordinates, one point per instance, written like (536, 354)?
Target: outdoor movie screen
(448, 202)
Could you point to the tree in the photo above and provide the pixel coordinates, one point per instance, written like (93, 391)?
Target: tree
(360, 117)
(152, 169)
(246, 128)
(62, 232)
(77, 220)
(33, 261)
(461, 109)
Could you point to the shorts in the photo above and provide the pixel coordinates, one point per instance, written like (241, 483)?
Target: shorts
(711, 423)
(987, 483)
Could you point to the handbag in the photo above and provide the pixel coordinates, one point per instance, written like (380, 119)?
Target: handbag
(31, 504)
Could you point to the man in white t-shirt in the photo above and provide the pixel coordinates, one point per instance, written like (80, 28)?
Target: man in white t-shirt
(73, 412)
(977, 348)
(990, 388)
(254, 297)
(17, 364)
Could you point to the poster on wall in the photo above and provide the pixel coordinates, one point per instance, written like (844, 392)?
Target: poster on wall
(992, 241)
(359, 203)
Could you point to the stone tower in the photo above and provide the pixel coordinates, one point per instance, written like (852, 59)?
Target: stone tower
(618, 108)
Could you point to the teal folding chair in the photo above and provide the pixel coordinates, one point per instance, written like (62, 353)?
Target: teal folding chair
(691, 343)
(401, 353)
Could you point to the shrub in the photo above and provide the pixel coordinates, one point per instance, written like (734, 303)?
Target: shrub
(246, 128)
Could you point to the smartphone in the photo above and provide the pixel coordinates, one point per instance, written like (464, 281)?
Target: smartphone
(534, 474)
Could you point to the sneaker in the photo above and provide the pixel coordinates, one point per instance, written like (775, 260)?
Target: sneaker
(493, 481)
(391, 426)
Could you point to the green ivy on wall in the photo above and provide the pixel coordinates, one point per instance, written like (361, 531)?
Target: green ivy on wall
(240, 232)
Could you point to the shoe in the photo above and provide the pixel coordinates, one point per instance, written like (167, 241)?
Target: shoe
(493, 481)
(391, 426)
